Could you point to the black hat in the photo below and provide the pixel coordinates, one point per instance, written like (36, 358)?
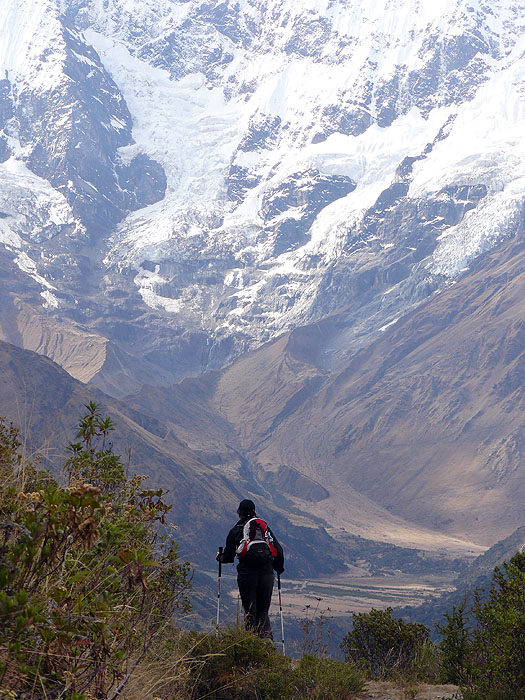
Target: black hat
(246, 506)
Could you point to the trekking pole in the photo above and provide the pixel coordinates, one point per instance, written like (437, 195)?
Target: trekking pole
(281, 610)
(219, 589)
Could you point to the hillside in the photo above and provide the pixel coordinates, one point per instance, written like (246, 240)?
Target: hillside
(427, 422)
(205, 480)
(477, 576)
(418, 436)
(46, 404)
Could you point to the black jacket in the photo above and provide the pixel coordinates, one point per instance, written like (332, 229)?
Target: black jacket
(233, 540)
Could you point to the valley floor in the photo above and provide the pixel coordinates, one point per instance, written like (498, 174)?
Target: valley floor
(345, 594)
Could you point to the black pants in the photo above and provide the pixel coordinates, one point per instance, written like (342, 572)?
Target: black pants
(256, 595)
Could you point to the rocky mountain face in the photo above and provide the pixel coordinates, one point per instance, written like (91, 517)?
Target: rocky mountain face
(184, 180)
(427, 421)
(416, 441)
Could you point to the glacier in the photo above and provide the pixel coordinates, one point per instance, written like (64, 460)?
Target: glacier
(235, 169)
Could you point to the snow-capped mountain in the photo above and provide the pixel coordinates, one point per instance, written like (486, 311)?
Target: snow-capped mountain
(191, 178)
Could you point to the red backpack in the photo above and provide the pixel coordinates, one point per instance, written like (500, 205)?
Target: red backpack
(257, 541)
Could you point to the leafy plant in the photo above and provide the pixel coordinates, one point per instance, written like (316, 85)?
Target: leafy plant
(454, 646)
(88, 581)
(238, 665)
(232, 664)
(496, 660)
(92, 459)
(382, 645)
(326, 679)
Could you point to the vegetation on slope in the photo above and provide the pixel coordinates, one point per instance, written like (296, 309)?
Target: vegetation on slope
(91, 582)
(481, 650)
(488, 659)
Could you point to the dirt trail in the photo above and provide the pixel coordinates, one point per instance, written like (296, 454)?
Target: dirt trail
(388, 691)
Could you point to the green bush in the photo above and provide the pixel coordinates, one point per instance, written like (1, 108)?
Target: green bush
(454, 646)
(426, 664)
(496, 651)
(384, 646)
(274, 685)
(233, 664)
(326, 679)
(87, 582)
(238, 665)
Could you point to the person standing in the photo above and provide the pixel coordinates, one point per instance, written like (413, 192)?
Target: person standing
(259, 555)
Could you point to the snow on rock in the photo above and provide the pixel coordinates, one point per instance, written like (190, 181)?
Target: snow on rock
(27, 30)
(69, 117)
(282, 106)
(244, 166)
(31, 204)
(485, 145)
(26, 264)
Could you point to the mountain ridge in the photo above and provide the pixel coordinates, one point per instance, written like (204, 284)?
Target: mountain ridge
(189, 180)
(46, 404)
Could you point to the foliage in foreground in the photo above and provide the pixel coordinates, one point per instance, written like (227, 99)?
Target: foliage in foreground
(387, 647)
(488, 661)
(237, 665)
(454, 646)
(89, 586)
(87, 583)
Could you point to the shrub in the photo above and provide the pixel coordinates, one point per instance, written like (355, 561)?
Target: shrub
(454, 646)
(238, 665)
(233, 664)
(382, 645)
(326, 679)
(426, 664)
(87, 580)
(496, 659)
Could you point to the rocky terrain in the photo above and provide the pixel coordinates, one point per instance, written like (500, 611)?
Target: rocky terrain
(182, 181)
(388, 691)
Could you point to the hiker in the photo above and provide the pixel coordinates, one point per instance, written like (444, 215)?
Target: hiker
(259, 554)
